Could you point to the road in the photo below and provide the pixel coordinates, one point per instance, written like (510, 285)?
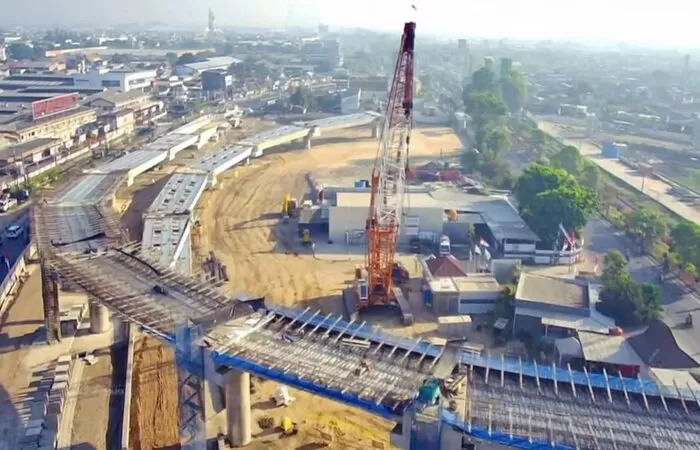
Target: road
(12, 248)
(653, 188)
(601, 237)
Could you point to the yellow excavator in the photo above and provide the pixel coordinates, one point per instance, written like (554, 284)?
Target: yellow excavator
(289, 207)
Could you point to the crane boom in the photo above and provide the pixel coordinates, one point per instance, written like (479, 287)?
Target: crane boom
(388, 177)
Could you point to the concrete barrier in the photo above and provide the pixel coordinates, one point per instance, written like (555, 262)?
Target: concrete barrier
(14, 278)
(126, 412)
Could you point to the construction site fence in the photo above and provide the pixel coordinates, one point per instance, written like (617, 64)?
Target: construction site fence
(449, 418)
(508, 365)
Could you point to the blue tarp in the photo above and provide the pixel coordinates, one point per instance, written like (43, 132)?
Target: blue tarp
(632, 385)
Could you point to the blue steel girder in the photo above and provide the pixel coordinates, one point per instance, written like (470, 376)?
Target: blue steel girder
(292, 380)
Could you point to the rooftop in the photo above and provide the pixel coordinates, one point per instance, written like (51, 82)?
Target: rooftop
(658, 348)
(36, 145)
(31, 123)
(608, 349)
(361, 200)
(477, 283)
(497, 212)
(213, 63)
(117, 97)
(444, 266)
(534, 289)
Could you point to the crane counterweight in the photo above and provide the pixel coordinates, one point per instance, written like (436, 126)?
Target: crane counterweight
(388, 180)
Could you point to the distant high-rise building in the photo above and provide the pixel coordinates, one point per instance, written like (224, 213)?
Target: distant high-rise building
(506, 66)
(322, 29)
(489, 63)
(210, 21)
(3, 53)
(462, 45)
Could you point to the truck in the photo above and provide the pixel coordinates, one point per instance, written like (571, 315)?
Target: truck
(444, 247)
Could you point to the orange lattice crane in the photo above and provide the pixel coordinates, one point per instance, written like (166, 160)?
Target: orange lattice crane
(388, 181)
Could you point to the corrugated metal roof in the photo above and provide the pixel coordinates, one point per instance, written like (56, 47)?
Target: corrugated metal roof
(608, 349)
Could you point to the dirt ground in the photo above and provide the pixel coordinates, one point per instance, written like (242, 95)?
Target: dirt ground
(101, 400)
(241, 226)
(22, 317)
(154, 408)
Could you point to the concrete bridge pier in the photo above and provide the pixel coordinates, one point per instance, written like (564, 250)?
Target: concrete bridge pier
(100, 321)
(375, 131)
(307, 142)
(238, 408)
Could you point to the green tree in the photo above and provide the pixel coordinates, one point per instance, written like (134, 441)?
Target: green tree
(614, 264)
(570, 205)
(686, 242)
(18, 50)
(649, 225)
(569, 159)
(483, 80)
(187, 58)
(303, 97)
(590, 176)
(538, 178)
(513, 90)
(549, 196)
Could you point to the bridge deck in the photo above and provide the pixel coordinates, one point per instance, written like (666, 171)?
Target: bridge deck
(323, 359)
(124, 282)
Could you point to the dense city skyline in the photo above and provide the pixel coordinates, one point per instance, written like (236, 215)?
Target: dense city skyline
(623, 20)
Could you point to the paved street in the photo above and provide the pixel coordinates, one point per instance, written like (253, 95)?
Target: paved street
(654, 188)
(601, 237)
(12, 248)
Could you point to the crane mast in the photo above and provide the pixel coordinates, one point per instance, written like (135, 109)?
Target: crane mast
(388, 178)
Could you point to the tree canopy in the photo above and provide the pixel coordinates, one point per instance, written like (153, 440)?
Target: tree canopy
(648, 225)
(18, 50)
(686, 242)
(513, 90)
(549, 196)
(570, 159)
(303, 97)
(628, 302)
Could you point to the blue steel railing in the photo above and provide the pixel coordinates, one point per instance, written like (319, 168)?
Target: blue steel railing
(511, 366)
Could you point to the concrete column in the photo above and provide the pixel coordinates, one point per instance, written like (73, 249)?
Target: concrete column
(307, 142)
(100, 321)
(375, 131)
(407, 427)
(238, 407)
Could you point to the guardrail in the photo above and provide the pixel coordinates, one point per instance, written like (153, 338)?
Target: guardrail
(126, 411)
(14, 275)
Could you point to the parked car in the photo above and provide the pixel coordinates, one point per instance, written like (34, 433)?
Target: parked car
(14, 231)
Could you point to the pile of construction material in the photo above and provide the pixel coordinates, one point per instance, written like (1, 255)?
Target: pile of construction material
(72, 318)
(214, 270)
(43, 412)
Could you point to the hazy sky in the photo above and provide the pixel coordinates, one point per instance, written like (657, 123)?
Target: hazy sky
(668, 22)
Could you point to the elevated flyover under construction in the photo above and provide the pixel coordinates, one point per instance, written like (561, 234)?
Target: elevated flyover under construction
(509, 401)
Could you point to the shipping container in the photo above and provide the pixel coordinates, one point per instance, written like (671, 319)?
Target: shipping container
(610, 150)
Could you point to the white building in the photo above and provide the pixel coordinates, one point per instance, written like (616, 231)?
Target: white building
(347, 218)
(121, 80)
(196, 69)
